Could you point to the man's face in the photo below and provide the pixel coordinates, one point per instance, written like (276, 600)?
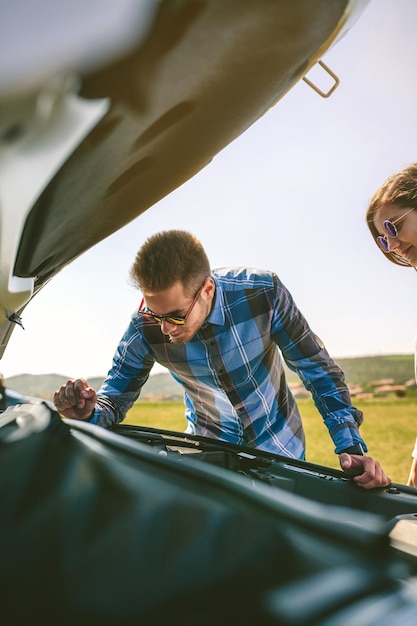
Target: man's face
(174, 302)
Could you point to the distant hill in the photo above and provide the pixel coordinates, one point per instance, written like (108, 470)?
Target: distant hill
(358, 371)
(42, 385)
(362, 370)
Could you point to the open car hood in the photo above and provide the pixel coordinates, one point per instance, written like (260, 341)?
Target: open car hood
(104, 113)
(115, 527)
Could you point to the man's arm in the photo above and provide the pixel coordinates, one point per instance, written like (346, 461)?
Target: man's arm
(306, 355)
(131, 366)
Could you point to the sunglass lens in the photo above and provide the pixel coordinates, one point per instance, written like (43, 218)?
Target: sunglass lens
(175, 320)
(390, 228)
(383, 244)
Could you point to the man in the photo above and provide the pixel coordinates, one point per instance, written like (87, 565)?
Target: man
(222, 334)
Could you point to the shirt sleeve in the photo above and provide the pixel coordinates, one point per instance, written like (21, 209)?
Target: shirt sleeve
(306, 355)
(131, 366)
(414, 453)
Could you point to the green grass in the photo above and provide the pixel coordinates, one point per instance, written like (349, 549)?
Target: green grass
(168, 415)
(389, 429)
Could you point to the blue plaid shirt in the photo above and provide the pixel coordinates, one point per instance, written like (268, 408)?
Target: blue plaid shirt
(232, 371)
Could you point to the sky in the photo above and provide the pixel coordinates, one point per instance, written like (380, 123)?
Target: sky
(290, 195)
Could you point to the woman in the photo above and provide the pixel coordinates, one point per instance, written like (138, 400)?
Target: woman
(392, 220)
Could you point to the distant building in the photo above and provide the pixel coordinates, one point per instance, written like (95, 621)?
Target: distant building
(381, 382)
(399, 390)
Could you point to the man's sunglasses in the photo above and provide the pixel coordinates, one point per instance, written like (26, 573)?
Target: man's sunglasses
(391, 230)
(178, 320)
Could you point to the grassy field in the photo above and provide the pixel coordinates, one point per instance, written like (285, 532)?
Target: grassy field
(389, 429)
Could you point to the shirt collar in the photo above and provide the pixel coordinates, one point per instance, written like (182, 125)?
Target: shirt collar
(217, 316)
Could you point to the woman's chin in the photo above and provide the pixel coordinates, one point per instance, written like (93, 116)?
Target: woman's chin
(410, 257)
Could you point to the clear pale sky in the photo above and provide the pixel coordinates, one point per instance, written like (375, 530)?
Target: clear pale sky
(289, 195)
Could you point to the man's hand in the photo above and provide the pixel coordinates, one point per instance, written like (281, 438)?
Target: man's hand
(366, 472)
(75, 400)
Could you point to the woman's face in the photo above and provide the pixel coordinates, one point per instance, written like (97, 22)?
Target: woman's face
(405, 224)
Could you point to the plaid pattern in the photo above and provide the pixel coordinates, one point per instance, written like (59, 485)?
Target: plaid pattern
(232, 371)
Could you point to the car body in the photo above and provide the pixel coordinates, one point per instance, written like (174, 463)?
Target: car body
(129, 524)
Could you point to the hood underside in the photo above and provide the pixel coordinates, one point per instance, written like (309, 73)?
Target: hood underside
(90, 146)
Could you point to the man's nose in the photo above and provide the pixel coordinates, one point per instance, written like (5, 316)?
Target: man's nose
(166, 327)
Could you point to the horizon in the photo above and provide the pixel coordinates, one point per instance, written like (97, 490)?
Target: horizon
(163, 370)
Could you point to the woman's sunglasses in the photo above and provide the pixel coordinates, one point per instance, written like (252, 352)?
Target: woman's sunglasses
(178, 320)
(391, 230)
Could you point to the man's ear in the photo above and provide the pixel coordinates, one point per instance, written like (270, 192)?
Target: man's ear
(209, 289)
